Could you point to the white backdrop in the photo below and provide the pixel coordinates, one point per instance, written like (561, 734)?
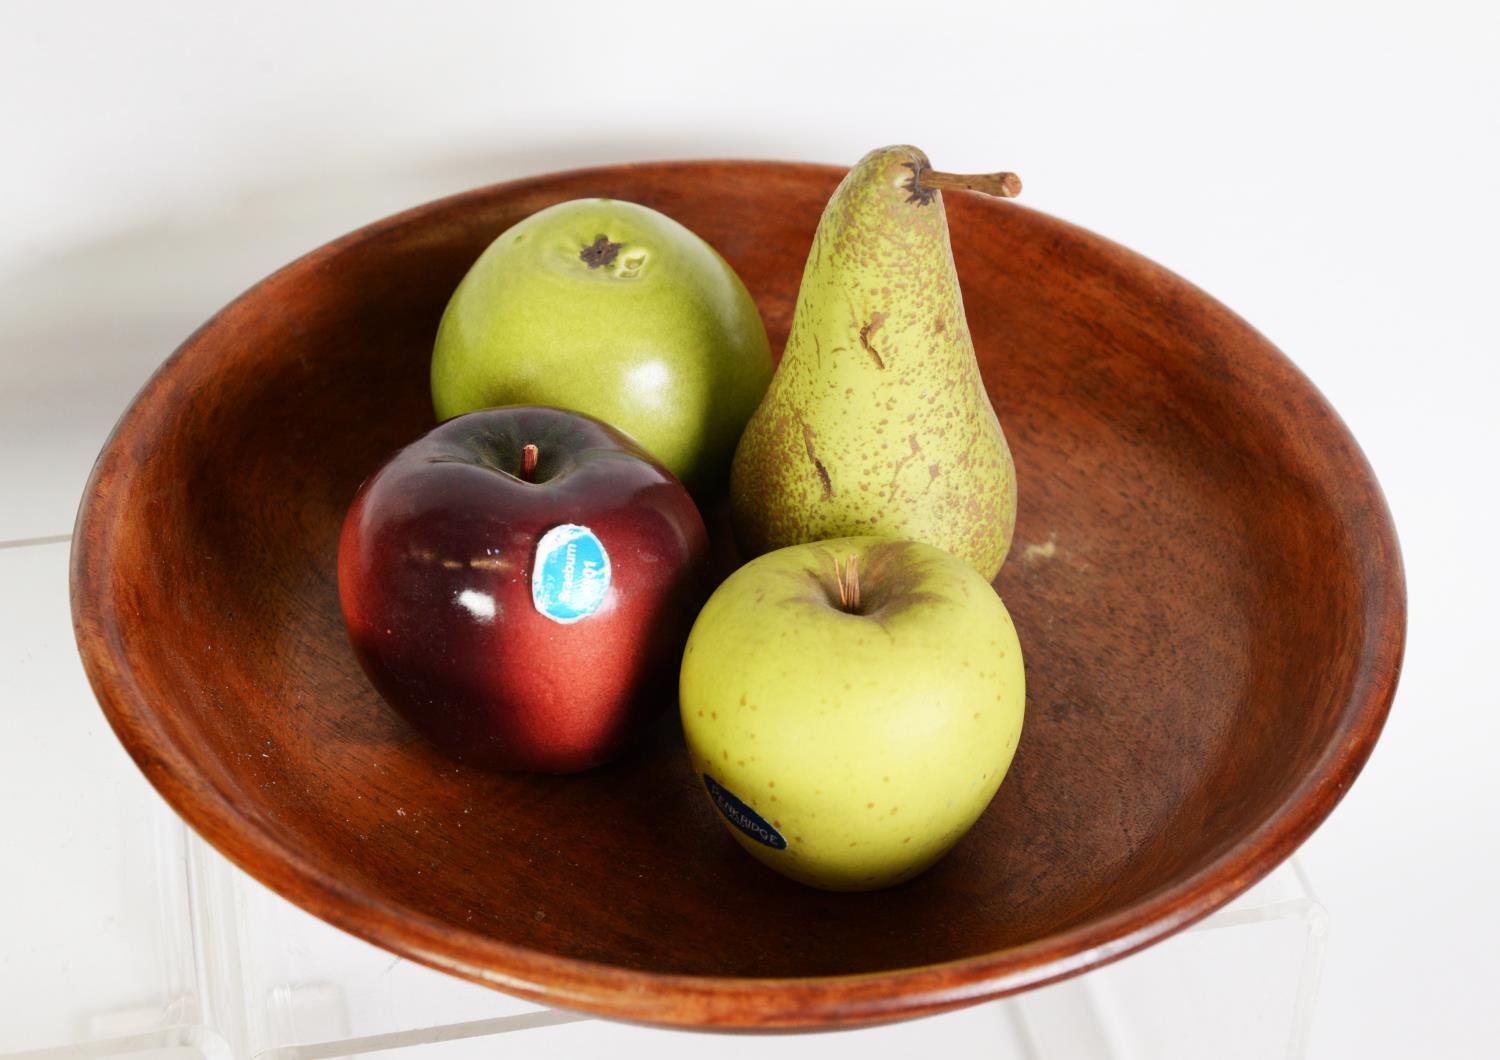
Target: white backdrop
(1326, 169)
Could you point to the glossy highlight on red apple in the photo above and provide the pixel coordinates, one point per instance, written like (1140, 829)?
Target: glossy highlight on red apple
(519, 583)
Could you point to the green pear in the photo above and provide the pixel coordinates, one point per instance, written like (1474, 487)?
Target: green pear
(876, 421)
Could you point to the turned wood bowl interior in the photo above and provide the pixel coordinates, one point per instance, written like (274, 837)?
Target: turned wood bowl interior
(1204, 578)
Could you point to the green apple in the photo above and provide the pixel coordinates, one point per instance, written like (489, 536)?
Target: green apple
(851, 706)
(611, 309)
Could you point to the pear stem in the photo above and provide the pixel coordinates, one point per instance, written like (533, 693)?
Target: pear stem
(847, 578)
(1003, 185)
(528, 462)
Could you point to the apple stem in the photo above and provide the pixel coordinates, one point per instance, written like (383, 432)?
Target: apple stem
(528, 462)
(1003, 185)
(847, 578)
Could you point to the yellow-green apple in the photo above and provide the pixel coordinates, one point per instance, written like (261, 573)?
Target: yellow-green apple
(616, 310)
(519, 583)
(851, 706)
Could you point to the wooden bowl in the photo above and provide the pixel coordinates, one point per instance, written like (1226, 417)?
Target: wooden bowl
(1205, 580)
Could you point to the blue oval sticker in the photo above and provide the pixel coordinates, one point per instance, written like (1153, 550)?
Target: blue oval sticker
(571, 574)
(743, 817)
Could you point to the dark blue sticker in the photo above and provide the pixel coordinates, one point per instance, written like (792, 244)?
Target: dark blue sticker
(743, 817)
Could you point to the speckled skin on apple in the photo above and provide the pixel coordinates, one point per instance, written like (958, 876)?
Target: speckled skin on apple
(872, 741)
(615, 310)
(877, 420)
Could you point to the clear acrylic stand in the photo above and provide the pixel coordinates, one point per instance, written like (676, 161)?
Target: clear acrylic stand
(240, 974)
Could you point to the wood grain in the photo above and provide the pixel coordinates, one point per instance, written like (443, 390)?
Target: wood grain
(1205, 579)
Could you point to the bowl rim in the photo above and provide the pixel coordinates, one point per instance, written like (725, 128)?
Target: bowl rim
(747, 1002)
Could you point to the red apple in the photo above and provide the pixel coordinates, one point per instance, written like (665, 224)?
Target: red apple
(519, 584)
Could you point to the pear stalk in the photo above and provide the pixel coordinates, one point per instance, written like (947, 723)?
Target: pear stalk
(1001, 185)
